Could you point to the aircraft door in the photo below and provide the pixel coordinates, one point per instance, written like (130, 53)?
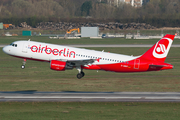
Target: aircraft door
(136, 63)
(25, 48)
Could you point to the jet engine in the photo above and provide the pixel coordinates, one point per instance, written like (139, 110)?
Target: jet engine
(58, 65)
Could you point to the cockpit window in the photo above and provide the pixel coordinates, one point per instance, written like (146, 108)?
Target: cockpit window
(14, 45)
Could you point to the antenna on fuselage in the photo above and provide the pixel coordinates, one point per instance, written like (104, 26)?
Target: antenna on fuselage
(29, 40)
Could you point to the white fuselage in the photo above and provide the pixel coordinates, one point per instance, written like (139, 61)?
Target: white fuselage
(48, 52)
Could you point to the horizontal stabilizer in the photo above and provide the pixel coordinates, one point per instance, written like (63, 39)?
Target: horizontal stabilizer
(158, 66)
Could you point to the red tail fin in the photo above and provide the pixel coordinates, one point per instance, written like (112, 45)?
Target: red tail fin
(159, 51)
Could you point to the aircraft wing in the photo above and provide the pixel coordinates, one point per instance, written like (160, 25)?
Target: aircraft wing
(78, 62)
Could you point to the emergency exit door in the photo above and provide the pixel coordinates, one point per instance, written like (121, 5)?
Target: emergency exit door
(136, 63)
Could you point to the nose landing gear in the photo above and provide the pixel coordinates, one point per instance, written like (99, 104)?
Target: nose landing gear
(24, 62)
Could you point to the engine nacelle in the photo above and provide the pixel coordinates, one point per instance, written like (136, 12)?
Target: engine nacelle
(58, 65)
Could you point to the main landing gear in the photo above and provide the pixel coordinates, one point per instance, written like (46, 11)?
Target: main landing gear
(80, 74)
(24, 62)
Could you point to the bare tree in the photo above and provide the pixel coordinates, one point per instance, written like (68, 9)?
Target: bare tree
(4, 2)
(100, 10)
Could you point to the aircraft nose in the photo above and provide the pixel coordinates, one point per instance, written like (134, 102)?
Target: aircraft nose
(5, 49)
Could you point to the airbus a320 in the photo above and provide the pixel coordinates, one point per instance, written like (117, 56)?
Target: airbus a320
(63, 58)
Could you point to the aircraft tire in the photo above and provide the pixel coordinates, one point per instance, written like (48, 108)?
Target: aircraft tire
(23, 66)
(79, 75)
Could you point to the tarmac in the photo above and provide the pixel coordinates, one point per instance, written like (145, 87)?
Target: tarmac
(74, 96)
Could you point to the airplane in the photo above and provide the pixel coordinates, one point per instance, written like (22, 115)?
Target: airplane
(63, 58)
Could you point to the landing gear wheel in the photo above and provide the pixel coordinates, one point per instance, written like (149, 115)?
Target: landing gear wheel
(79, 75)
(23, 66)
(24, 62)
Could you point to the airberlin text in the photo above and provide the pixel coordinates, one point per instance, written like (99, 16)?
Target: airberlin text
(64, 52)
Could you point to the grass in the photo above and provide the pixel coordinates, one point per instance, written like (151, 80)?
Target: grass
(88, 111)
(38, 76)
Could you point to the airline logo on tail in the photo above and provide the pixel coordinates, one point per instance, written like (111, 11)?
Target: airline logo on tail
(162, 47)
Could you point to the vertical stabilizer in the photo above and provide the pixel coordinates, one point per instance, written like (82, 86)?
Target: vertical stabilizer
(159, 51)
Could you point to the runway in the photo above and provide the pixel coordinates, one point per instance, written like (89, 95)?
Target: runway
(29, 96)
(2, 46)
(125, 45)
